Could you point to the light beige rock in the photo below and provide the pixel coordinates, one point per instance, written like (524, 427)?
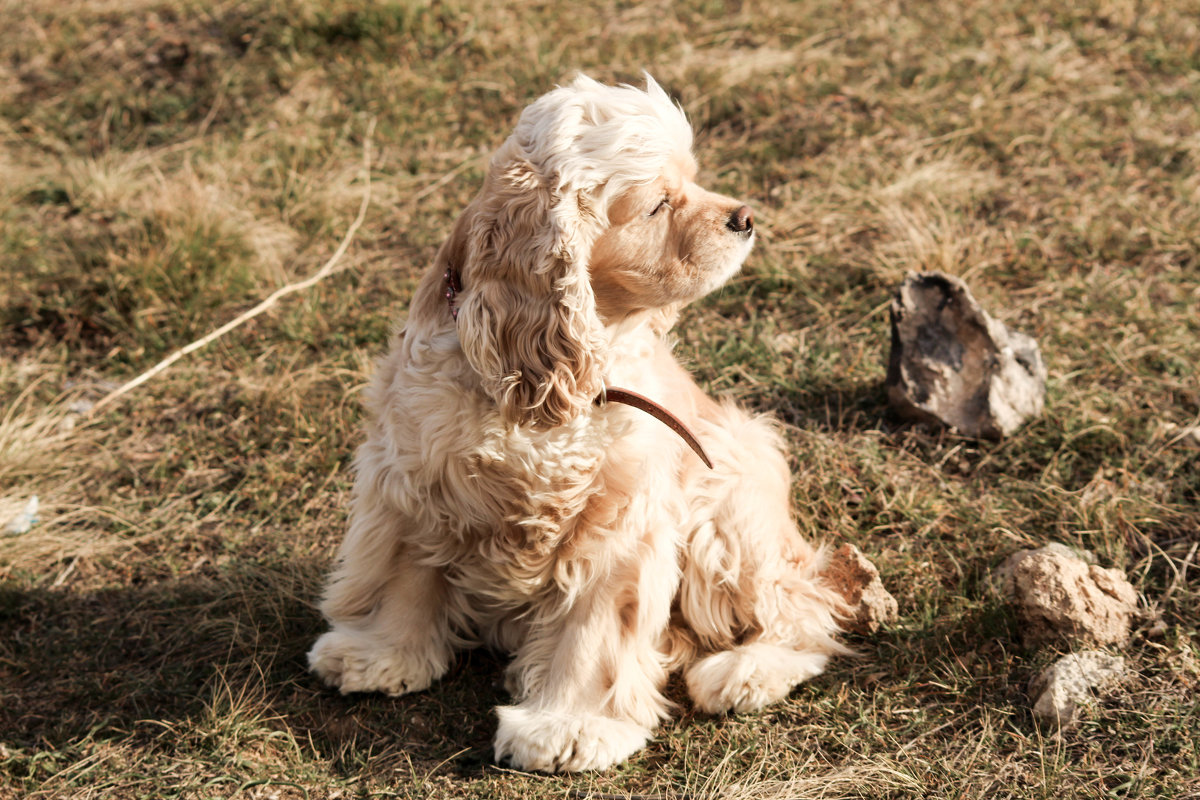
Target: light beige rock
(1073, 683)
(1002, 574)
(856, 579)
(1060, 597)
(951, 362)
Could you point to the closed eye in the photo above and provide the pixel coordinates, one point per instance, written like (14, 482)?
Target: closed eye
(664, 203)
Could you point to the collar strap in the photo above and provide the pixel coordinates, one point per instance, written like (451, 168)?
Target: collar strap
(610, 394)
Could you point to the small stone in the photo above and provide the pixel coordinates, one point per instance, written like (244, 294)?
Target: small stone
(1065, 688)
(1002, 574)
(952, 363)
(854, 577)
(1059, 596)
(24, 520)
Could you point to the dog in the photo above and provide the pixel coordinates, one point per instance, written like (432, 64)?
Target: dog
(518, 488)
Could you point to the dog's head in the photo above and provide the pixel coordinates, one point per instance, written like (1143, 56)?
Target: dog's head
(589, 215)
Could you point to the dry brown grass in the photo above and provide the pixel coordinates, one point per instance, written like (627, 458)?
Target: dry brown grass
(169, 163)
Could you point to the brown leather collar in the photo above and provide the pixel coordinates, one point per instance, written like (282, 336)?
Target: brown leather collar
(609, 394)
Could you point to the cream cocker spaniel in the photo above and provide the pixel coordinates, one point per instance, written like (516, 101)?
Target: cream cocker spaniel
(503, 498)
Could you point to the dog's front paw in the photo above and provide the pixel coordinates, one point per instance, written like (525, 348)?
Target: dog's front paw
(749, 677)
(356, 662)
(549, 741)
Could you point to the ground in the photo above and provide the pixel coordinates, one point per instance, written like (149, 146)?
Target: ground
(168, 163)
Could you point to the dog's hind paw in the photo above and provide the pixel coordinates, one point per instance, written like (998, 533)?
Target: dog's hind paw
(551, 741)
(749, 677)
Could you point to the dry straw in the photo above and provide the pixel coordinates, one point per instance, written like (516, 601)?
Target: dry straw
(270, 301)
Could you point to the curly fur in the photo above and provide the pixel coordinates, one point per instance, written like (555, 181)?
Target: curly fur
(497, 504)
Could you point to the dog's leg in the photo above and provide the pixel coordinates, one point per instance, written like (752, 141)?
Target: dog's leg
(389, 629)
(588, 679)
(750, 589)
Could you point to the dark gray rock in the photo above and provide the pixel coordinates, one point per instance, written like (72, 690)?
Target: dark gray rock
(952, 363)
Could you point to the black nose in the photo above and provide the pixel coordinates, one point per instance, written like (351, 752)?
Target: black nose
(741, 220)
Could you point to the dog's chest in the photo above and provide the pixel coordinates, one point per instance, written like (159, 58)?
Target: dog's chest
(515, 555)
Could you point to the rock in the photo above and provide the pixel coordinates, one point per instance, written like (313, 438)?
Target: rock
(1002, 574)
(23, 520)
(952, 363)
(1059, 596)
(1072, 683)
(856, 579)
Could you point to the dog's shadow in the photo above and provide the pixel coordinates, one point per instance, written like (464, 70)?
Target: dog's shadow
(187, 661)
(214, 655)
(833, 407)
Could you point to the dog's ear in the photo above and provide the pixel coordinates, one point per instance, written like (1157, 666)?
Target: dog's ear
(527, 319)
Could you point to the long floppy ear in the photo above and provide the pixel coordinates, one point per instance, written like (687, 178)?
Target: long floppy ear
(527, 319)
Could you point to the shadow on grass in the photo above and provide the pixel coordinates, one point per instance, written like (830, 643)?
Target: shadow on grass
(204, 662)
(836, 407)
(963, 662)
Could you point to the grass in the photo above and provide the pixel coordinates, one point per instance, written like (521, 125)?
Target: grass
(169, 162)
